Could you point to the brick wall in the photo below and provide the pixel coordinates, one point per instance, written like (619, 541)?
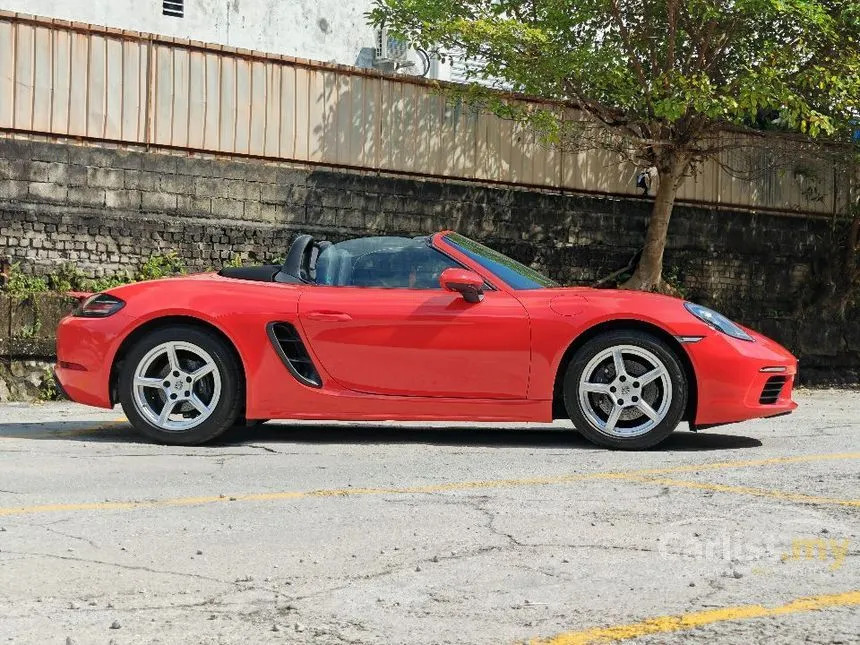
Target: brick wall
(109, 209)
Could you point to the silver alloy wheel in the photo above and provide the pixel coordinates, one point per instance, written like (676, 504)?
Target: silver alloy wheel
(625, 391)
(177, 386)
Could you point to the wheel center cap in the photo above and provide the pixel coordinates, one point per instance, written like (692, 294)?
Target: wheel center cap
(177, 385)
(625, 389)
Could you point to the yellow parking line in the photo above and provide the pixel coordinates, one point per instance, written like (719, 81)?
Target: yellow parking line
(771, 461)
(289, 495)
(683, 622)
(636, 475)
(746, 490)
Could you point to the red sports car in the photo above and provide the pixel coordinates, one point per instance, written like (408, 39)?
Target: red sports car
(428, 328)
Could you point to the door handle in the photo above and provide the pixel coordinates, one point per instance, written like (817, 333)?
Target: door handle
(328, 316)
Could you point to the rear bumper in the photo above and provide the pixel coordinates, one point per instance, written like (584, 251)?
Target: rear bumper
(82, 386)
(731, 380)
(84, 354)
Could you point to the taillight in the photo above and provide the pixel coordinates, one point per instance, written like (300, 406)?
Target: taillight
(100, 305)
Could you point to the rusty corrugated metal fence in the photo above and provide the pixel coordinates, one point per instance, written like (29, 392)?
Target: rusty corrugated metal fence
(65, 79)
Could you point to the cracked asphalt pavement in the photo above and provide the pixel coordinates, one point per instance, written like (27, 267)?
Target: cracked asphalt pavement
(429, 533)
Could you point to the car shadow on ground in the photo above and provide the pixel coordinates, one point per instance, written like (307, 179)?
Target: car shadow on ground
(68, 431)
(370, 434)
(468, 436)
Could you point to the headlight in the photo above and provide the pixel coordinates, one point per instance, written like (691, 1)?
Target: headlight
(718, 321)
(100, 305)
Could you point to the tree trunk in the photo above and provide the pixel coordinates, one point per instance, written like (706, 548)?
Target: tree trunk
(839, 285)
(850, 270)
(648, 275)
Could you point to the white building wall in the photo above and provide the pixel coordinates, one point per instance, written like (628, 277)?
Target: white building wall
(334, 31)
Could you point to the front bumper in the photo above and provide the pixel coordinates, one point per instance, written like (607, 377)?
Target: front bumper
(731, 384)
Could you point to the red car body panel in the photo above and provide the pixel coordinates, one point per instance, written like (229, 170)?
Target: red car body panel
(404, 354)
(431, 343)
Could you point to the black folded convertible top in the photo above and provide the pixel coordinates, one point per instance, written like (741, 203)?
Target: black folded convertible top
(264, 273)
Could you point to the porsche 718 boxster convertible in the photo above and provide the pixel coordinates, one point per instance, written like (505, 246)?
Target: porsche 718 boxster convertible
(428, 328)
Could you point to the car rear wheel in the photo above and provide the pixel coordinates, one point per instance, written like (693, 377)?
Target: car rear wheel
(625, 389)
(181, 385)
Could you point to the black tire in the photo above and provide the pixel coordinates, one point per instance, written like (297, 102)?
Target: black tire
(673, 388)
(225, 412)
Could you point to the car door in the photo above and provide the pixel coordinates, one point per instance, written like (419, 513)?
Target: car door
(412, 341)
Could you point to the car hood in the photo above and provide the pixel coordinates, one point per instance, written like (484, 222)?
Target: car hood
(641, 298)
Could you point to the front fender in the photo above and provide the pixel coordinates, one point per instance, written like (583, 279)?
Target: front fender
(562, 318)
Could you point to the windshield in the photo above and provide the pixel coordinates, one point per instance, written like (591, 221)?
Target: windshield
(517, 275)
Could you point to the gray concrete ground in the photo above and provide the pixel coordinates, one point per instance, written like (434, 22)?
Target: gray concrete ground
(409, 533)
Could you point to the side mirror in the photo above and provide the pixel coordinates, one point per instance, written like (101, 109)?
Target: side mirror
(468, 283)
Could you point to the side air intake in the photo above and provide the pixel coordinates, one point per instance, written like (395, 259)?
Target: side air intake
(292, 350)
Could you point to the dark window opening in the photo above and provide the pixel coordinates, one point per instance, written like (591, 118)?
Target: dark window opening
(382, 262)
(175, 8)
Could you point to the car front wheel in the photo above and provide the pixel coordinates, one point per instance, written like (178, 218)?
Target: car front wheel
(625, 389)
(181, 385)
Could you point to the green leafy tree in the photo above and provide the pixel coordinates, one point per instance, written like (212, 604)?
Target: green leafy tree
(657, 80)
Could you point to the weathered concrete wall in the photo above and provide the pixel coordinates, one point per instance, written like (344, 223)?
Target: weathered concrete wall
(323, 30)
(110, 209)
(27, 324)
(27, 345)
(26, 380)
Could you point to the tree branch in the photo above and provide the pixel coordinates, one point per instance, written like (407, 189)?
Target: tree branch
(634, 61)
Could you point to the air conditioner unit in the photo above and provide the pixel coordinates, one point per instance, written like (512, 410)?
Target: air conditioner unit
(391, 53)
